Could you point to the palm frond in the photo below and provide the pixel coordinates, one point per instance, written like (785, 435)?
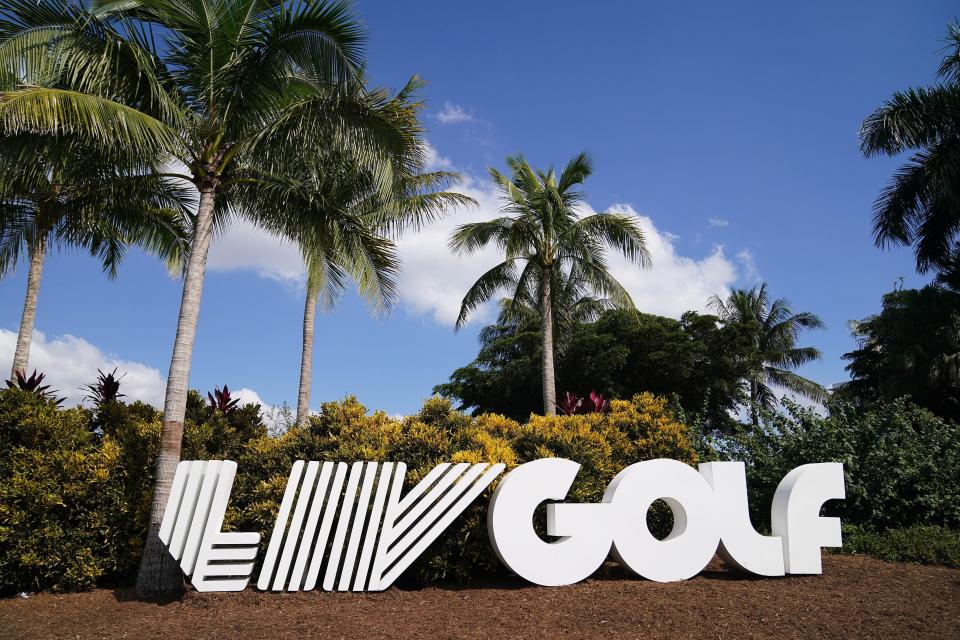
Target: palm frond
(499, 277)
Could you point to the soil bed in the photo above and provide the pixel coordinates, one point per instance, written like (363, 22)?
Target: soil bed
(855, 597)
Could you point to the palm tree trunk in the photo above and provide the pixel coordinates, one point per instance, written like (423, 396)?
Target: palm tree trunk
(549, 385)
(306, 358)
(754, 397)
(159, 575)
(22, 354)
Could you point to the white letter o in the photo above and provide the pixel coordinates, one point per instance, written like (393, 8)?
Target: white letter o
(695, 536)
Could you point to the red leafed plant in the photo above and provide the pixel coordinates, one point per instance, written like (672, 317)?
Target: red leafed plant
(33, 385)
(569, 404)
(221, 400)
(106, 389)
(600, 404)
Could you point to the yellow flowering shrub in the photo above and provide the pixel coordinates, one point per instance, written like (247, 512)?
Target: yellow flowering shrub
(603, 443)
(73, 507)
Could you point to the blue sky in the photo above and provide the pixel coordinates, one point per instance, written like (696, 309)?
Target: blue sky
(731, 128)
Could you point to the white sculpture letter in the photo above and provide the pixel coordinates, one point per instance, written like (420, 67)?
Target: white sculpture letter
(215, 561)
(355, 525)
(740, 544)
(694, 538)
(584, 529)
(795, 514)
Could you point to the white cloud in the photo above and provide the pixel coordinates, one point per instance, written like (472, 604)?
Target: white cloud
(278, 418)
(675, 283)
(434, 281)
(718, 222)
(435, 161)
(453, 114)
(751, 274)
(245, 246)
(70, 363)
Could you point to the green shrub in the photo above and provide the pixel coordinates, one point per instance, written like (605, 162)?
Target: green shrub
(923, 544)
(74, 505)
(71, 504)
(901, 462)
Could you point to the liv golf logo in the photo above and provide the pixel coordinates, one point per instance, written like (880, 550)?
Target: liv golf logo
(347, 527)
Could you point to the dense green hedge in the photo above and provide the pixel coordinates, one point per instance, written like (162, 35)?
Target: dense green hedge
(74, 503)
(901, 462)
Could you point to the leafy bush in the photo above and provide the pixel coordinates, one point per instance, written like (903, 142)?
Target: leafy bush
(923, 544)
(74, 504)
(901, 462)
(74, 507)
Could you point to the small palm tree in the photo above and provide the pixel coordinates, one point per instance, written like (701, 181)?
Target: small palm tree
(355, 249)
(573, 304)
(545, 241)
(69, 195)
(240, 92)
(919, 206)
(776, 329)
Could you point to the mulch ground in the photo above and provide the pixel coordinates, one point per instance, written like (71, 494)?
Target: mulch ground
(855, 597)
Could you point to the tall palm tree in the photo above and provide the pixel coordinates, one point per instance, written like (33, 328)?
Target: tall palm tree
(775, 328)
(348, 194)
(239, 92)
(65, 194)
(545, 240)
(921, 205)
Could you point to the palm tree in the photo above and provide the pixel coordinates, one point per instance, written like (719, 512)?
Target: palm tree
(921, 205)
(351, 197)
(61, 193)
(545, 241)
(240, 92)
(775, 328)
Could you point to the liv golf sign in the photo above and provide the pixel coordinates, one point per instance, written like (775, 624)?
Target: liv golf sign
(347, 527)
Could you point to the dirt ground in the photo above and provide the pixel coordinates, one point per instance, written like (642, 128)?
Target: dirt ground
(855, 597)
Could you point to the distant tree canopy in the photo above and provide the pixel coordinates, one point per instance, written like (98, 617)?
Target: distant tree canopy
(912, 347)
(696, 359)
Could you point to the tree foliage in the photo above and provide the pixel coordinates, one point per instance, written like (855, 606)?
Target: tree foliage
(911, 348)
(901, 462)
(552, 254)
(775, 328)
(248, 96)
(620, 354)
(67, 194)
